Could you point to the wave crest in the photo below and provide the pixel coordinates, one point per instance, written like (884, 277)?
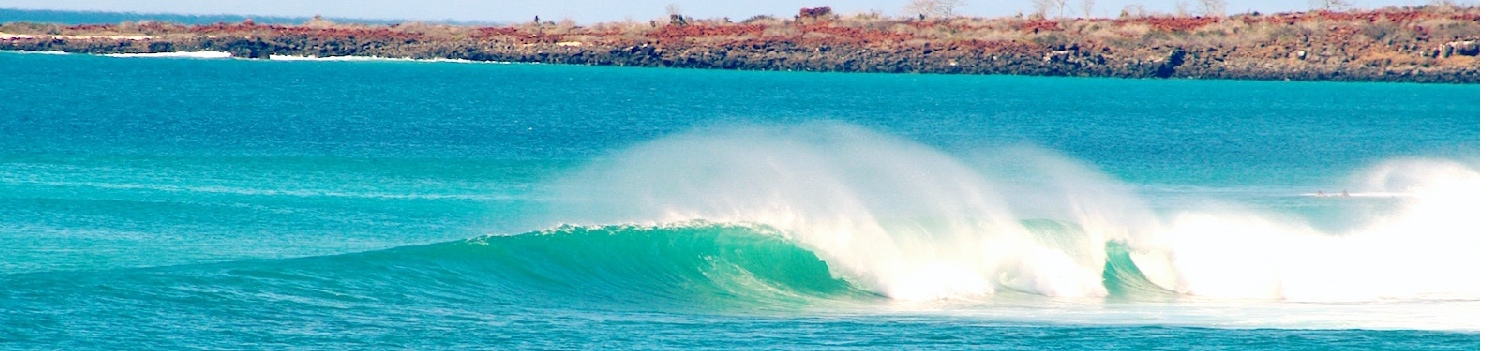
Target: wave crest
(910, 222)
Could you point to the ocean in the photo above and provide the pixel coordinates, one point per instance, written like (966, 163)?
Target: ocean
(181, 202)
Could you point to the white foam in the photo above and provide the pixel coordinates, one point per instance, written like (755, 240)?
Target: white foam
(916, 224)
(1426, 250)
(370, 58)
(1444, 315)
(179, 54)
(1368, 194)
(38, 52)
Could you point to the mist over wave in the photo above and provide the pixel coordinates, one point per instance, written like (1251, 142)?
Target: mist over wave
(911, 222)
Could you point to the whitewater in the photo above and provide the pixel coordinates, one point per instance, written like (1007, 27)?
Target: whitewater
(190, 201)
(910, 223)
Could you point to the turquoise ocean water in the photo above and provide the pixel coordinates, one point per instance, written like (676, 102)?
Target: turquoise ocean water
(150, 203)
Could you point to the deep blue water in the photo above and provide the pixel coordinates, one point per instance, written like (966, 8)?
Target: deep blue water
(163, 203)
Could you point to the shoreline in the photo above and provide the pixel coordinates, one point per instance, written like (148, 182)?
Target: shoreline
(223, 55)
(1426, 45)
(216, 55)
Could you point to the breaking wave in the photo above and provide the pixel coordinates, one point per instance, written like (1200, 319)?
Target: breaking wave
(909, 222)
(839, 219)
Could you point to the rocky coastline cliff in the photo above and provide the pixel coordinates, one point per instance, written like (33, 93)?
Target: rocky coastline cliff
(1412, 44)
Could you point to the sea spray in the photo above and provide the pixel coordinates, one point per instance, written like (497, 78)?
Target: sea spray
(896, 217)
(1426, 248)
(911, 222)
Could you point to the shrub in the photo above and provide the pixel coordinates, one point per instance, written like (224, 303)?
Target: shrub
(814, 12)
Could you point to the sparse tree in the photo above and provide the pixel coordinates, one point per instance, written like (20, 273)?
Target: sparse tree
(1183, 9)
(674, 15)
(933, 8)
(1041, 6)
(317, 21)
(812, 13)
(1087, 6)
(1133, 10)
(1061, 7)
(1214, 8)
(1332, 5)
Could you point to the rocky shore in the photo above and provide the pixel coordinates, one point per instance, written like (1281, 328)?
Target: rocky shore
(1422, 44)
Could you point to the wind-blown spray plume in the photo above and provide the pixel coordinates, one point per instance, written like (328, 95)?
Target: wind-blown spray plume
(911, 222)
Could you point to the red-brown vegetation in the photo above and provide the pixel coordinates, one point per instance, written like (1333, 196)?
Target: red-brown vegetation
(1413, 44)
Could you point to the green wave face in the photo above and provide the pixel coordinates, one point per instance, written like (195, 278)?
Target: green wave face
(692, 266)
(699, 265)
(1121, 277)
(1124, 280)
